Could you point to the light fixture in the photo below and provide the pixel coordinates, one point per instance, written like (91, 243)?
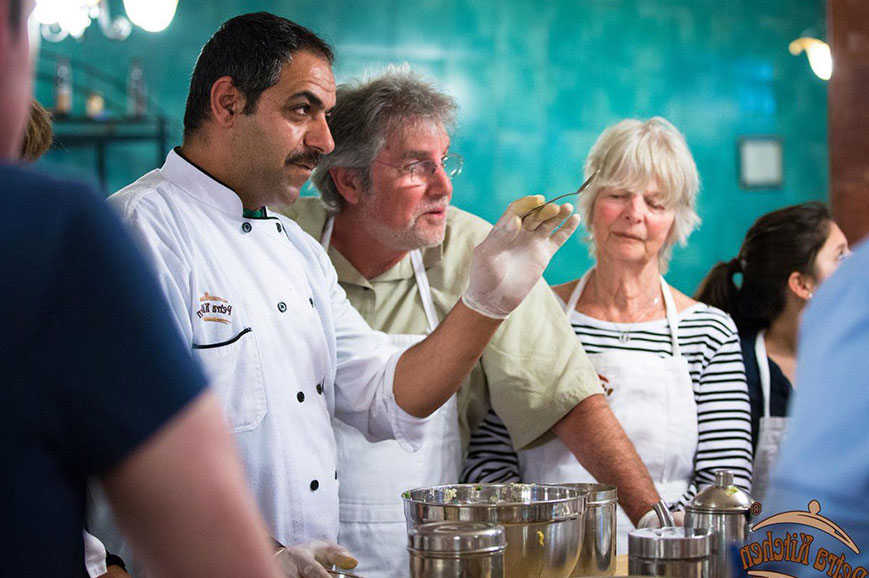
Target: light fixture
(150, 15)
(818, 53)
(60, 19)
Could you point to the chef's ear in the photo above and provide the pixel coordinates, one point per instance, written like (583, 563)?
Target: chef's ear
(348, 183)
(801, 285)
(227, 102)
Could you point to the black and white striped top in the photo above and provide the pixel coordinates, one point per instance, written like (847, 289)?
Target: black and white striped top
(709, 342)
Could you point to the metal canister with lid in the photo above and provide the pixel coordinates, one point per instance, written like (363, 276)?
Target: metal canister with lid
(456, 550)
(672, 551)
(726, 511)
(598, 554)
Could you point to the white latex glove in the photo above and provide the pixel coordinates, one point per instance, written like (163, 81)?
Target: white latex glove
(512, 257)
(310, 560)
(650, 519)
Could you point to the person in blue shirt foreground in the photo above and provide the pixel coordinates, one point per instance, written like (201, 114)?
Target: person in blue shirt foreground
(96, 382)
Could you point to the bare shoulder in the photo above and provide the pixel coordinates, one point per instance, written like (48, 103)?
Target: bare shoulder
(682, 301)
(565, 289)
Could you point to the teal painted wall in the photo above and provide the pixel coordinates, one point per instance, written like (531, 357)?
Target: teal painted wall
(537, 82)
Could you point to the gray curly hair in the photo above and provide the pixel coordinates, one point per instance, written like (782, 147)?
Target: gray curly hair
(364, 116)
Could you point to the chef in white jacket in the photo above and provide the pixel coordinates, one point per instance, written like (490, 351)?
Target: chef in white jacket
(259, 302)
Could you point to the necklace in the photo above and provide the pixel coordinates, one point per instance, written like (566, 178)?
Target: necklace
(626, 334)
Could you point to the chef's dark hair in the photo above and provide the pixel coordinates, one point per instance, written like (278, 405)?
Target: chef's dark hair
(777, 244)
(252, 49)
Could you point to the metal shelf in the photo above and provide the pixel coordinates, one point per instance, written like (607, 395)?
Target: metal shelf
(77, 132)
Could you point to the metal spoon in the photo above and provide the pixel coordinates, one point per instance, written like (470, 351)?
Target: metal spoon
(581, 188)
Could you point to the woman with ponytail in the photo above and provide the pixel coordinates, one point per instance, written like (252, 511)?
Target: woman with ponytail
(786, 254)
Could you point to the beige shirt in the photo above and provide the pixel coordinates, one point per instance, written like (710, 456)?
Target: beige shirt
(533, 372)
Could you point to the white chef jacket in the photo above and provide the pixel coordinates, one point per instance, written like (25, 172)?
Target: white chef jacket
(260, 304)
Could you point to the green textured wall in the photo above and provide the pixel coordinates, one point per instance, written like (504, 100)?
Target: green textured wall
(538, 81)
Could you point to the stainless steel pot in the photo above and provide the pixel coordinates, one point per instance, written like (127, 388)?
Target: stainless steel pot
(543, 524)
(598, 554)
(726, 511)
(674, 552)
(456, 550)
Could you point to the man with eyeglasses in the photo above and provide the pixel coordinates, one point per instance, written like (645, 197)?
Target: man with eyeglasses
(403, 256)
(258, 301)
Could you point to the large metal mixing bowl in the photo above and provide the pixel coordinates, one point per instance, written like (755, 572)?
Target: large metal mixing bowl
(543, 524)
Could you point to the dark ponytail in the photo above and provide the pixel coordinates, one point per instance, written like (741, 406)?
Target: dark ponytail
(777, 244)
(718, 288)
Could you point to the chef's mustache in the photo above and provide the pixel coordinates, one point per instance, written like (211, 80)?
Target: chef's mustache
(310, 158)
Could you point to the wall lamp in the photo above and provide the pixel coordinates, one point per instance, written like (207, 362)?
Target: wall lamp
(818, 53)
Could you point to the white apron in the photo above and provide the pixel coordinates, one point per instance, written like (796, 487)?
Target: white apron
(771, 429)
(372, 476)
(653, 399)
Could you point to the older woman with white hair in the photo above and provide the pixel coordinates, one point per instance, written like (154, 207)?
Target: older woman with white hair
(671, 367)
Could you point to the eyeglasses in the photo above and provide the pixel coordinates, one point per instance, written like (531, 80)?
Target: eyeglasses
(421, 171)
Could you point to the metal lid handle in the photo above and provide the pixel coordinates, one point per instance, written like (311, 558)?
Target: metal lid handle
(723, 478)
(663, 513)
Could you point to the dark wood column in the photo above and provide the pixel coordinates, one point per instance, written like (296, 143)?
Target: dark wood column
(848, 110)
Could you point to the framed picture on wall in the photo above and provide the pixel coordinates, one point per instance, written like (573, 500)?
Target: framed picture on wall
(760, 162)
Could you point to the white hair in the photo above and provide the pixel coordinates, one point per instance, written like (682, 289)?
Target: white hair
(633, 153)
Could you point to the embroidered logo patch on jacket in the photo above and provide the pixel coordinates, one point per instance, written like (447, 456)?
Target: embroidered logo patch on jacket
(214, 308)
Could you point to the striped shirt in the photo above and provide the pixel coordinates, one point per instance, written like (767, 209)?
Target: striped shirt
(710, 344)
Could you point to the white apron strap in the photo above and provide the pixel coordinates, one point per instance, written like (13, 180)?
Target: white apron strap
(672, 316)
(326, 235)
(577, 292)
(672, 313)
(762, 369)
(418, 272)
(424, 289)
